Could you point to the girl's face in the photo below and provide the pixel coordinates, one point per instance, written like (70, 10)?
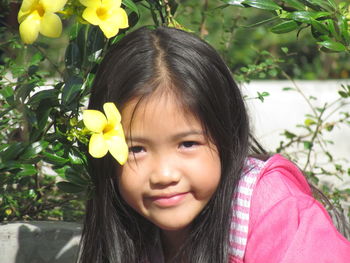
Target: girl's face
(172, 169)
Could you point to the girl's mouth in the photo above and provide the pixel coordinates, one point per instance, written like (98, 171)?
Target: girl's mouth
(168, 200)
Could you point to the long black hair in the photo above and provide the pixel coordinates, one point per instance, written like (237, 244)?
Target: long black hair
(142, 62)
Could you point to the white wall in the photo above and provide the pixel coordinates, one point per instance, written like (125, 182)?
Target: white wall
(284, 109)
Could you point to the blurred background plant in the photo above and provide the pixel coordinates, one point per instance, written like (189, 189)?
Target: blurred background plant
(45, 85)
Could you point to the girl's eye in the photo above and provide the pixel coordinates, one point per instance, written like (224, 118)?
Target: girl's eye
(136, 149)
(189, 144)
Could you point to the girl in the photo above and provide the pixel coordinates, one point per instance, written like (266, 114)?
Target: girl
(189, 192)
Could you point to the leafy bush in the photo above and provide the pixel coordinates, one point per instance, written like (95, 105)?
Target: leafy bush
(42, 137)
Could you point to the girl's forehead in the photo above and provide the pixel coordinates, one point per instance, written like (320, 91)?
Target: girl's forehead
(158, 106)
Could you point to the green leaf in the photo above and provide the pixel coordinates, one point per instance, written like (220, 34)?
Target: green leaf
(343, 94)
(76, 178)
(50, 94)
(81, 39)
(70, 187)
(319, 27)
(289, 134)
(284, 27)
(27, 170)
(131, 5)
(173, 6)
(7, 94)
(327, 5)
(234, 2)
(33, 150)
(12, 151)
(23, 90)
(344, 29)
(294, 4)
(36, 58)
(117, 38)
(308, 145)
(321, 15)
(306, 16)
(5, 111)
(54, 159)
(329, 126)
(332, 45)
(95, 41)
(332, 4)
(61, 172)
(262, 4)
(346, 87)
(73, 33)
(73, 58)
(71, 90)
(309, 122)
(331, 28)
(314, 4)
(262, 95)
(273, 72)
(285, 50)
(76, 157)
(43, 112)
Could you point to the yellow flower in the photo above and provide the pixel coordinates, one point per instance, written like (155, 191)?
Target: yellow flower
(108, 134)
(107, 14)
(37, 16)
(8, 211)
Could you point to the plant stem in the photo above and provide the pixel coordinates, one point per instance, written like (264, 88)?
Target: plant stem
(319, 122)
(202, 30)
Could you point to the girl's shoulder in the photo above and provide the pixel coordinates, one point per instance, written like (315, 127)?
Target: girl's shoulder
(254, 169)
(274, 213)
(277, 170)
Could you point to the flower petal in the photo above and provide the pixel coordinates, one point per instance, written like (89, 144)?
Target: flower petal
(29, 28)
(90, 3)
(117, 130)
(111, 3)
(90, 15)
(28, 4)
(94, 120)
(118, 148)
(120, 18)
(98, 146)
(109, 29)
(51, 25)
(53, 6)
(112, 113)
(26, 9)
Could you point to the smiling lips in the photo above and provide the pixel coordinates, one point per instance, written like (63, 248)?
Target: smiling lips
(168, 200)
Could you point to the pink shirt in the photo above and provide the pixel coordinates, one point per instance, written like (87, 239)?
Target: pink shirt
(276, 219)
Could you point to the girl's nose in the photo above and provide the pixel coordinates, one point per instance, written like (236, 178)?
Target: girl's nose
(165, 173)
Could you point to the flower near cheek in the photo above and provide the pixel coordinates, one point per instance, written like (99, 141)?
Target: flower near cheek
(37, 16)
(107, 14)
(108, 134)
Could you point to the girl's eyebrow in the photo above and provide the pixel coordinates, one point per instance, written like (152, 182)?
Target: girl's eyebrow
(174, 137)
(187, 133)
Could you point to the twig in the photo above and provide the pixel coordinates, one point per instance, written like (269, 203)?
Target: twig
(202, 30)
(319, 122)
(300, 91)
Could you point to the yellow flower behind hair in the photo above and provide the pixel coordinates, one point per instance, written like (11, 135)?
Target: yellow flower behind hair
(107, 14)
(37, 16)
(108, 134)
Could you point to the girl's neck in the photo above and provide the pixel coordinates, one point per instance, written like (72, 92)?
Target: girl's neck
(172, 242)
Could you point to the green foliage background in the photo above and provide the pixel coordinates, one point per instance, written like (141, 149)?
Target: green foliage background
(44, 86)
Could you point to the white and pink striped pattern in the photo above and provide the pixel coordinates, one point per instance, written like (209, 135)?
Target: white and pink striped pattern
(241, 207)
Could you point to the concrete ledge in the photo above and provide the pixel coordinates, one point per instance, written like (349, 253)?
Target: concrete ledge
(39, 242)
